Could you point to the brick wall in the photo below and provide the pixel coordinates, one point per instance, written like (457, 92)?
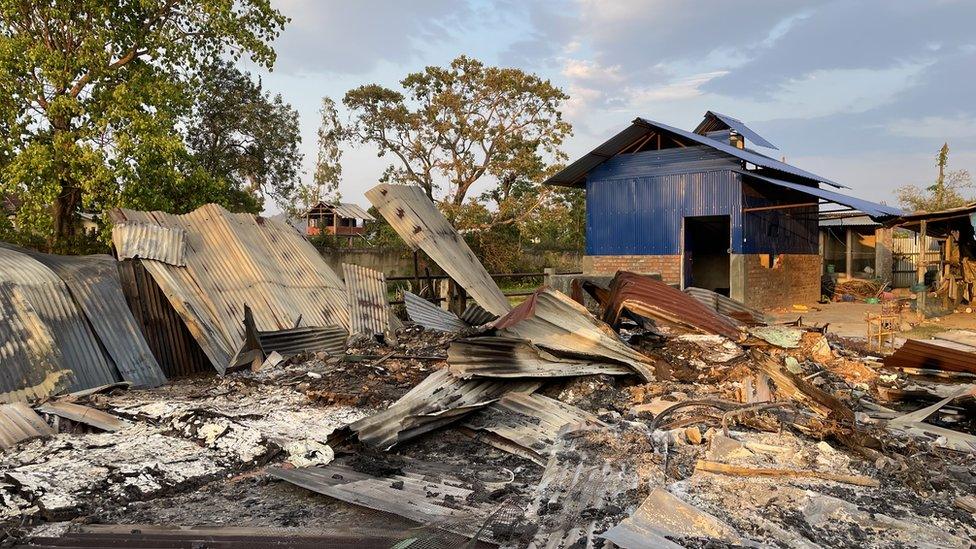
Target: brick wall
(668, 266)
(795, 280)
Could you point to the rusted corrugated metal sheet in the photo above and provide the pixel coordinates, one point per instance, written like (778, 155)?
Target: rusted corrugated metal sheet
(434, 402)
(366, 294)
(134, 240)
(95, 286)
(650, 298)
(527, 424)
(508, 357)
(728, 307)
(431, 316)
(174, 347)
(551, 320)
(77, 324)
(18, 423)
(418, 222)
(237, 259)
(83, 414)
(932, 355)
(423, 492)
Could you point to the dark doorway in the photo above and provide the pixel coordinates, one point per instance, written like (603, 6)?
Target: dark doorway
(707, 244)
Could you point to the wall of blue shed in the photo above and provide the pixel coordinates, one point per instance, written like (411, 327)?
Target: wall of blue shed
(643, 215)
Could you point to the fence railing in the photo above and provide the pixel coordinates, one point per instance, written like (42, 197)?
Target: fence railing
(429, 278)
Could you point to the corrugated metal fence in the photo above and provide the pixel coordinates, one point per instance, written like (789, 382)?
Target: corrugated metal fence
(905, 256)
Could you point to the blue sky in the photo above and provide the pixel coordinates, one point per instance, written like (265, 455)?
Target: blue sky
(861, 92)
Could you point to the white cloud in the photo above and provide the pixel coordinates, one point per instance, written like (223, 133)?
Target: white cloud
(934, 127)
(681, 89)
(582, 69)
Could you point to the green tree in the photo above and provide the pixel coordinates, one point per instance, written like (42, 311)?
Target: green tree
(328, 162)
(244, 139)
(950, 189)
(458, 124)
(93, 92)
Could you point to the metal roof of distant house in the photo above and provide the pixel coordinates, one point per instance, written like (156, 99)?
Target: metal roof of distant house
(346, 210)
(574, 174)
(715, 120)
(847, 219)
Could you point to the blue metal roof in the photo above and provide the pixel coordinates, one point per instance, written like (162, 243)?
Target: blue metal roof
(573, 175)
(872, 209)
(746, 155)
(743, 130)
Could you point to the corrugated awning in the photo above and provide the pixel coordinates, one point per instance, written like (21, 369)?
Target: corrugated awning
(872, 209)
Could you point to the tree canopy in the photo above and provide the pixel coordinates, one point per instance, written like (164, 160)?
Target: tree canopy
(457, 124)
(951, 189)
(94, 93)
(244, 140)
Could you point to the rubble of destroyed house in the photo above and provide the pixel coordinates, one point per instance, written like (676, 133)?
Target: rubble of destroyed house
(222, 385)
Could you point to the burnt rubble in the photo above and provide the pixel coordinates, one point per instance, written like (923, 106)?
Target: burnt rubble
(657, 420)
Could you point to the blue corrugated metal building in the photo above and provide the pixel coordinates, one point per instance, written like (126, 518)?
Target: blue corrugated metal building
(702, 209)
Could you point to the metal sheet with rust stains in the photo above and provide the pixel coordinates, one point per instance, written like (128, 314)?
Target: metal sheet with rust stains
(430, 316)
(434, 402)
(83, 414)
(933, 355)
(527, 424)
(421, 225)
(650, 298)
(728, 306)
(366, 294)
(19, 423)
(423, 492)
(236, 259)
(553, 321)
(506, 357)
(135, 240)
(66, 326)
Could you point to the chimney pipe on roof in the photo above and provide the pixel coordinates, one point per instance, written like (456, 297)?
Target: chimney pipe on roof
(736, 140)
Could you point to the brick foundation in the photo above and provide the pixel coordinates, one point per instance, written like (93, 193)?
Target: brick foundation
(796, 279)
(668, 266)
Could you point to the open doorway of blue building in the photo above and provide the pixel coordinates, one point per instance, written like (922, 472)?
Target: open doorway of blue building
(707, 252)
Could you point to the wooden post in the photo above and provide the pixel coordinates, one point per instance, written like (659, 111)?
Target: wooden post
(548, 274)
(849, 254)
(920, 264)
(416, 272)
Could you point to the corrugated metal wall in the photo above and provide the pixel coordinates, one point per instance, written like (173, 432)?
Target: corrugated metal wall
(171, 343)
(643, 215)
(787, 231)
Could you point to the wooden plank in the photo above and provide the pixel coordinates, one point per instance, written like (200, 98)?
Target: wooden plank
(734, 470)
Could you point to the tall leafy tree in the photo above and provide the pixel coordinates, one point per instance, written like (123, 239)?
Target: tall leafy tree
(453, 126)
(951, 189)
(328, 162)
(92, 94)
(244, 139)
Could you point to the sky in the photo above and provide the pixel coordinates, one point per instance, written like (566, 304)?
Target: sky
(860, 92)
